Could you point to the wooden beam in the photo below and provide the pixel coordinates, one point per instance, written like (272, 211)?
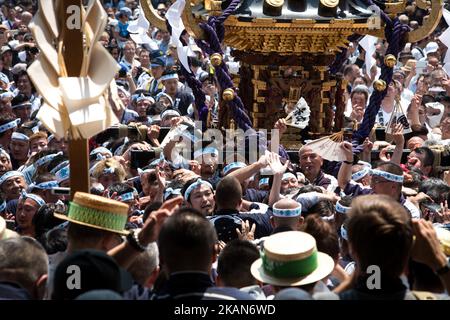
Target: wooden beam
(73, 56)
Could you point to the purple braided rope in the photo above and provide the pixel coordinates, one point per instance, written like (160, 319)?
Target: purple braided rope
(342, 56)
(228, 11)
(212, 45)
(396, 44)
(199, 95)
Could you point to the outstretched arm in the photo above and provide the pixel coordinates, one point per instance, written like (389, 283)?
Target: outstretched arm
(124, 253)
(345, 171)
(278, 170)
(245, 173)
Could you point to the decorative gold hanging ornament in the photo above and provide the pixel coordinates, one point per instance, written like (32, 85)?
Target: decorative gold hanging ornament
(216, 59)
(228, 94)
(390, 61)
(379, 85)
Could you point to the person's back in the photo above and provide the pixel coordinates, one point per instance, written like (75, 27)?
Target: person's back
(228, 201)
(187, 246)
(233, 268)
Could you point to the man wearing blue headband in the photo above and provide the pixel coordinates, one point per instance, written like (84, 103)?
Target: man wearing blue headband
(27, 207)
(387, 179)
(11, 185)
(143, 104)
(208, 159)
(199, 194)
(19, 148)
(182, 100)
(5, 162)
(287, 213)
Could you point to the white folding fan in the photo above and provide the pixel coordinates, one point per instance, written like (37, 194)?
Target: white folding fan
(398, 117)
(329, 147)
(299, 117)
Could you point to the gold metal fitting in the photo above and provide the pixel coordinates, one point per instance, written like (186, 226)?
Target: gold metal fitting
(228, 94)
(214, 7)
(216, 59)
(379, 85)
(390, 60)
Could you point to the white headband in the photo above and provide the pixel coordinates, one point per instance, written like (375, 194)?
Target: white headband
(24, 195)
(47, 185)
(100, 150)
(26, 104)
(63, 174)
(387, 175)
(169, 76)
(195, 185)
(171, 112)
(10, 174)
(47, 159)
(19, 136)
(59, 166)
(4, 152)
(288, 175)
(9, 125)
(344, 233)
(341, 209)
(361, 174)
(263, 181)
(287, 213)
(169, 191)
(233, 165)
(128, 196)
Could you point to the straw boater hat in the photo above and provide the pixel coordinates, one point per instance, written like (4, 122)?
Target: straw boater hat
(97, 212)
(291, 259)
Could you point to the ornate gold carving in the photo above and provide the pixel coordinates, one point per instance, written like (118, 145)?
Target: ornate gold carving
(152, 15)
(431, 23)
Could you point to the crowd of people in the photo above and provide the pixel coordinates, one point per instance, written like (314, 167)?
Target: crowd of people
(157, 225)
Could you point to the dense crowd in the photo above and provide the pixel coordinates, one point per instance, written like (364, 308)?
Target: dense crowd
(160, 224)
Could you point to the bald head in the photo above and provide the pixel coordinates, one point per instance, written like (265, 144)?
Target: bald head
(294, 222)
(286, 204)
(26, 17)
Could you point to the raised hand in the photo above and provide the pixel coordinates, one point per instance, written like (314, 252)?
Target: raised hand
(426, 248)
(153, 132)
(397, 135)
(348, 150)
(150, 231)
(443, 216)
(357, 113)
(281, 126)
(368, 146)
(275, 164)
(246, 232)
